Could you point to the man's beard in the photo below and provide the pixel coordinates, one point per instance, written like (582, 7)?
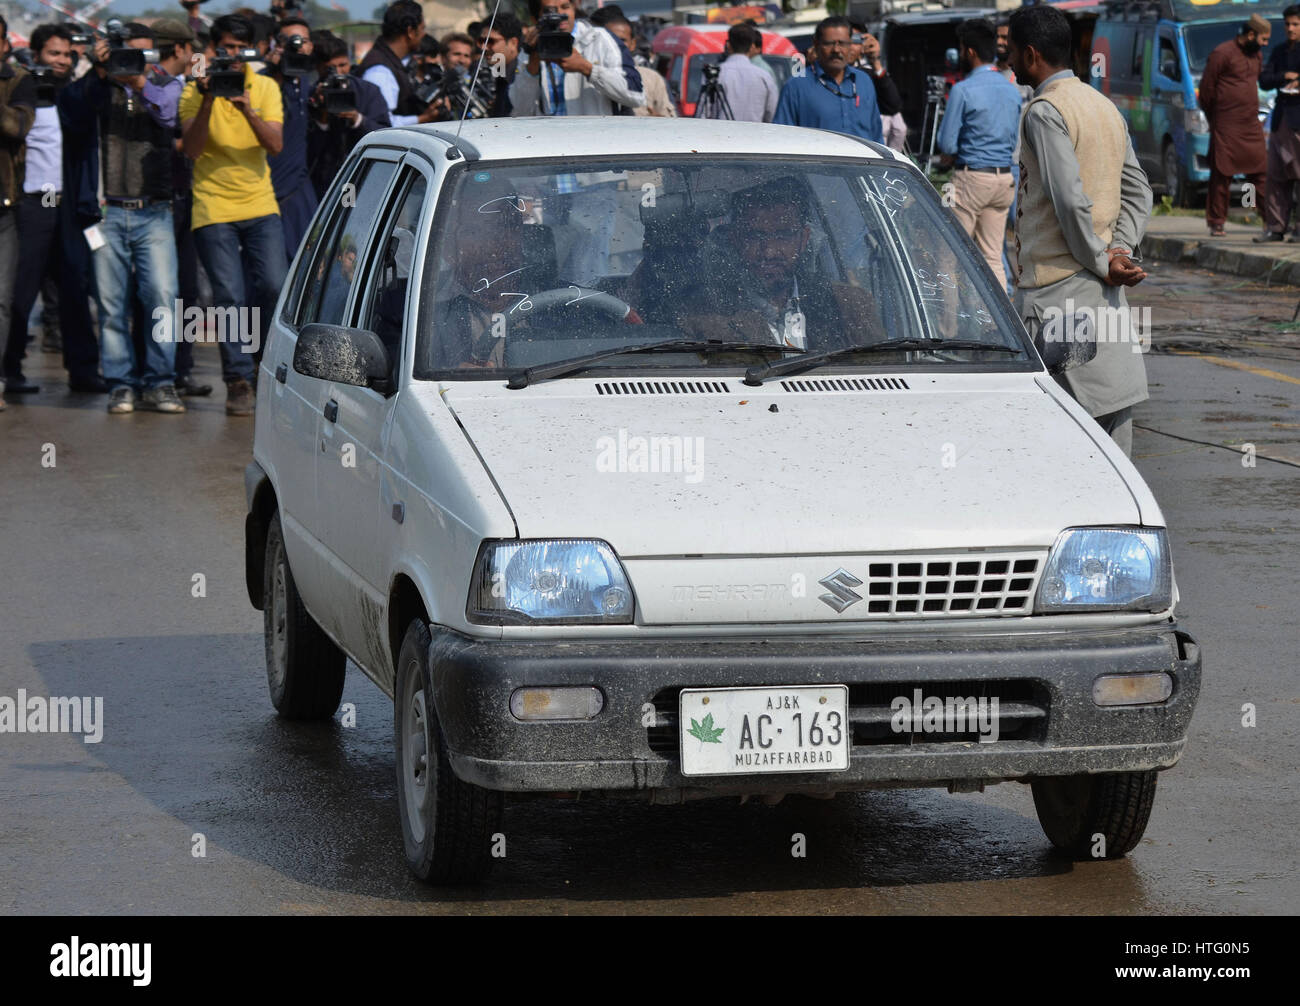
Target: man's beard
(1002, 56)
(1250, 48)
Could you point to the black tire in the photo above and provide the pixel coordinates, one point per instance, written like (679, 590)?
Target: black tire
(447, 824)
(304, 669)
(1074, 809)
(1177, 187)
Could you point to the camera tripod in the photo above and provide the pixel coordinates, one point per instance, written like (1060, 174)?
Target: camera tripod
(713, 102)
(934, 101)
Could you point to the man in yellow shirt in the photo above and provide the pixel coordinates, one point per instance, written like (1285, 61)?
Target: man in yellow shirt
(236, 218)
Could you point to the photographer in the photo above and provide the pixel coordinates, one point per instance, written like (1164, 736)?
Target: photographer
(236, 217)
(124, 115)
(499, 39)
(384, 65)
(344, 109)
(291, 66)
(17, 112)
(591, 79)
(743, 91)
(49, 227)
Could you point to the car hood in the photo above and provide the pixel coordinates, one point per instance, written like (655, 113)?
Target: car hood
(951, 462)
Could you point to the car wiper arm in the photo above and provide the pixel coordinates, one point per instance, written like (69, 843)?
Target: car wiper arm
(560, 368)
(755, 375)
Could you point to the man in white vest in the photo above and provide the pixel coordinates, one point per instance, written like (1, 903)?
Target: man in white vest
(1082, 208)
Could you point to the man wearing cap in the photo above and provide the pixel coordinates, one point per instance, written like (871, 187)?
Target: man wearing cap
(126, 127)
(1229, 96)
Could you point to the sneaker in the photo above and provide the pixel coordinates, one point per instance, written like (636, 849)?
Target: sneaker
(162, 399)
(121, 400)
(1268, 236)
(187, 387)
(239, 398)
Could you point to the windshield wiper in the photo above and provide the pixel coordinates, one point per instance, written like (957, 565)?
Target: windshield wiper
(755, 375)
(561, 368)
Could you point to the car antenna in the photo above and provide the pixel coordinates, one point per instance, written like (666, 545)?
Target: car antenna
(473, 83)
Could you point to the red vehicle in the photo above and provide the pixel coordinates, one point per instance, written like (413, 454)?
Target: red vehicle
(682, 50)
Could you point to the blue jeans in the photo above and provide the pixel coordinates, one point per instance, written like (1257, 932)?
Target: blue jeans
(261, 241)
(139, 241)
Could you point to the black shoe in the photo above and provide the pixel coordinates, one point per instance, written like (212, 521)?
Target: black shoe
(88, 386)
(1267, 237)
(20, 386)
(187, 387)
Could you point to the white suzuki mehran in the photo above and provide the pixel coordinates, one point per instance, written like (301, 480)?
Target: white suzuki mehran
(679, 459)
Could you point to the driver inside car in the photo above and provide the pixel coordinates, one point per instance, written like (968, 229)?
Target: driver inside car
(762, 285)
(481, 290)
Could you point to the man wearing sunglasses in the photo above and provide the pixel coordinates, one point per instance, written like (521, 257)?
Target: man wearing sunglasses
(832, 94)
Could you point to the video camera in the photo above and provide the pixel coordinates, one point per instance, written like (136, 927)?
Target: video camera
(711, 71)
(42, 77)
(338, 93)
(553, 42)
(293, 61)
(124, 60)
(224, 81)
(454, 87)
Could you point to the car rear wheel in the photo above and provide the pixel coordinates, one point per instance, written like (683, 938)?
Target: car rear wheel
(1095, 816)
(304, 669)
(447, 824)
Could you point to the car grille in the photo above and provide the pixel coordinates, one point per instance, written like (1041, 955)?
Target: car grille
(1022, 713)
(948, 585)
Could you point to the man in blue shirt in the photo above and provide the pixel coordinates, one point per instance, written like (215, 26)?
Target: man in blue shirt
(289, 177)
(832, 94)
(979, 130)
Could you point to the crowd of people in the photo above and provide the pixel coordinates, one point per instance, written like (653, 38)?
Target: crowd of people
(137, 187)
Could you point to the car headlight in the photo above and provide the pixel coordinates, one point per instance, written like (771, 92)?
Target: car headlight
(564, 581)
(1107, 569)
(1194, 121)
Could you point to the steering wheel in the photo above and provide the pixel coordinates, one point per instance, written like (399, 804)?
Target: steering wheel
(574, 296)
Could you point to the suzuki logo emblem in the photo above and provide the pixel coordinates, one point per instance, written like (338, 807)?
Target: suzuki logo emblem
(840, 584)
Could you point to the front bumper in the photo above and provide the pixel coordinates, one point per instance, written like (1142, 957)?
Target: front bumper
(1044, 679)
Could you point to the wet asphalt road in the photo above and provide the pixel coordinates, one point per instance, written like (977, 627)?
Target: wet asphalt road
(97, 563)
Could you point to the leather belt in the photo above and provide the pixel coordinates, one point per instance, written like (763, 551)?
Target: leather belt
(991, 171)
(44, 197)
(136, 204)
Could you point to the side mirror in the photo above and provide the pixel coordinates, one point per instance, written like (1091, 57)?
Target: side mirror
(1169, 69)
(352, 356)
(1066, 341)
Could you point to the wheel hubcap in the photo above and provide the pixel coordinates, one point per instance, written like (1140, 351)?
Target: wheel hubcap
(415, 756)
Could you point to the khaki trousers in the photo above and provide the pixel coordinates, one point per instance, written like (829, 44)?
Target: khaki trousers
(980, 203)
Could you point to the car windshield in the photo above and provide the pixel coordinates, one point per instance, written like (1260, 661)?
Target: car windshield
(529, 265)
(1202, 39)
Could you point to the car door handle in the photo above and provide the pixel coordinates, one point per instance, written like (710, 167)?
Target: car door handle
(282, 372)
(331, 411)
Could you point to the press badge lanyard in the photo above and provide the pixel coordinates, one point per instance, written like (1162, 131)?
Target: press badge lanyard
(834, 89)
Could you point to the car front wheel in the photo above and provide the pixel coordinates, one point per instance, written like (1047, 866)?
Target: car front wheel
(1095, 816)
(447, 824)
(304, 669)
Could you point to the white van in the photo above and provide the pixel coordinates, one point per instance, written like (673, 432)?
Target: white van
(680, 459)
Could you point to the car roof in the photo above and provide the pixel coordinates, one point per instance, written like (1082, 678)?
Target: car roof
(617, 135)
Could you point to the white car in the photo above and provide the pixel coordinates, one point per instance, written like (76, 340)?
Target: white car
(681, 459)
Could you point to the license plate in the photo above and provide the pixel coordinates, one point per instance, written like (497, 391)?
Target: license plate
(747, 731)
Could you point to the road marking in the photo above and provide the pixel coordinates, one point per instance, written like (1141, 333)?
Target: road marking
(1258, 371)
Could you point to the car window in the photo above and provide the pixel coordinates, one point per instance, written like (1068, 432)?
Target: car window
(1201, 39)
(1140, 39)
(528, 264)
(384, 310)
(1168, 58)
(325, 217)
(335, 268)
